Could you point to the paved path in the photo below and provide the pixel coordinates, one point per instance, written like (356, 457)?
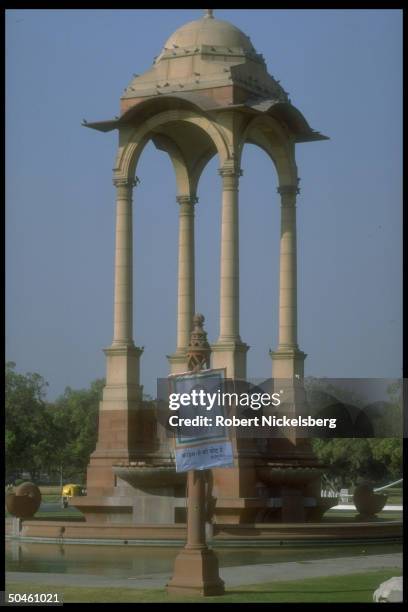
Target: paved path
(352, 508)
(233, 576)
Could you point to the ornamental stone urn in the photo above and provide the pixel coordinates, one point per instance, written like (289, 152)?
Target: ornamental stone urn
(367, 502)
(24, 501)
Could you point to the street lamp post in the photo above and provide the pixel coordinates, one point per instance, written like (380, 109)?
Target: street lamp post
(196, 568)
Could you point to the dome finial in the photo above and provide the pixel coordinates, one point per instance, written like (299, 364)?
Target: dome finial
(208, 13)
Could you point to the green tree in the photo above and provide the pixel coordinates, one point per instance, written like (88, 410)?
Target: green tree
(350, 460)
(388, 452)
(28, 431)
(75, 420)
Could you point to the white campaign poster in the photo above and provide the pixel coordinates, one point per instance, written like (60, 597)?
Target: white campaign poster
(203, 446)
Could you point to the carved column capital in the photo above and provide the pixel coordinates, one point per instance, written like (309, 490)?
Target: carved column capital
(120, 181)
(187, 200)
(288, 190)
(186, 203)
(288, 194)
(230, 173)
(124, 185)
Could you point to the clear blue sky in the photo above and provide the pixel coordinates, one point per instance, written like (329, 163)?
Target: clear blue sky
(342, 69)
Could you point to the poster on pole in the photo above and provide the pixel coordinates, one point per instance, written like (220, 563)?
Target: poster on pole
(200, 443)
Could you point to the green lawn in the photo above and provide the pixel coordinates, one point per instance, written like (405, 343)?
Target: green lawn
(352, 588)
(395, 495)
(63, 514)
(350, 515)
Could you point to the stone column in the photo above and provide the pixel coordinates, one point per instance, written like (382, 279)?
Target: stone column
(232, 486)
(229, 351)
(186, 282)
(123, 295)
(120, 437)
(229, 283)
(288, 270)
(123, 356)
(288, 359)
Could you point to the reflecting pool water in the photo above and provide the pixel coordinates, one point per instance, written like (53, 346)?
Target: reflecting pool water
(123, 561)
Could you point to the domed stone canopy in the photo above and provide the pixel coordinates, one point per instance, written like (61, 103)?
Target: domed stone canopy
(208, 65)
(207, 55)
(207, 94)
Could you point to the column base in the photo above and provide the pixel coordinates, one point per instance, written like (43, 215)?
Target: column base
(196, 572)
(122, 365)
(178, 362)
(120, 428)
(230, 354)
(288, 374)
(287, 362)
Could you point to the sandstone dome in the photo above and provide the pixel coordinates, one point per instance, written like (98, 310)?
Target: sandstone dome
(210, 32)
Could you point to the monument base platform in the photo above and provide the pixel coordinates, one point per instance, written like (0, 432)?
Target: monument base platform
(254, 535)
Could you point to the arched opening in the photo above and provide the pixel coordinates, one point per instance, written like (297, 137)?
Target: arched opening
(155, 231)
(259, 258)
(208, 246)
(196, 137)
(155, 222)
(195, 145)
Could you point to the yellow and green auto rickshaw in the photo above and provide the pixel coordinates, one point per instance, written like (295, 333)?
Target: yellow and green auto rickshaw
(69, 491)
